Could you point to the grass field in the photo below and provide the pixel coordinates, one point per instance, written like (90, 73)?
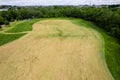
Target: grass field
(56, 49)
(112, 54)
(15, 30)
(111, 48)
(24, 26)
(6, 38)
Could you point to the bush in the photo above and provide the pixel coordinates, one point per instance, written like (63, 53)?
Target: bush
(1, 20)
(6, 22)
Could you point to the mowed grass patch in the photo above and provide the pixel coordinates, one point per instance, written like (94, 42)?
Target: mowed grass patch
(6, 38)
(48, 58)
(5, 28)
(15, 30)
(112, 54)
(111, 48)
(24, 26)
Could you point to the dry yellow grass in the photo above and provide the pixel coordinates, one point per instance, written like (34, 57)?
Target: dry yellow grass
(54, 50)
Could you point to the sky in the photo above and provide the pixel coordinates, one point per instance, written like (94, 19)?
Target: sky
(57, 2)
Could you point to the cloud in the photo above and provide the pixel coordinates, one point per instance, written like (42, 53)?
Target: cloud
(56, 2)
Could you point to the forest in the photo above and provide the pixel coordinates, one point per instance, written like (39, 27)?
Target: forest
(107, 18)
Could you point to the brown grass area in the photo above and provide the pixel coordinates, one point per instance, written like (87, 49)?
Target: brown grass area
(54, 50)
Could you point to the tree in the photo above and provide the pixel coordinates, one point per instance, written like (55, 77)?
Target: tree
(1, 20)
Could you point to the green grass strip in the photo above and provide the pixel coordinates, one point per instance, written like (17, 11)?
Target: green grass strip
(24, 26)
(6, 38)
(112, 54)
(111, 48)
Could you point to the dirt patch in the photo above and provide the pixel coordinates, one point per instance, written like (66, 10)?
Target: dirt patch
(54, 50)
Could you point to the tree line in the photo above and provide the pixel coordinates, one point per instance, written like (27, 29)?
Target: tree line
(107, 18)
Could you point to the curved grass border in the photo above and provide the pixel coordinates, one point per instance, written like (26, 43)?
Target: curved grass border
(26, 25)
(16, 32)
(111, 47)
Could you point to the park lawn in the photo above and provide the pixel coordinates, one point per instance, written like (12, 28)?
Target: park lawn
(15, 31)
(111, 48)
(6, 38)
(22, 27)
(111, 45)
(55, 49)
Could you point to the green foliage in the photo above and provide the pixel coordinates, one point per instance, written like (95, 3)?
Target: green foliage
(24, 26)
(106, 18)
(6, 22)
(1, 20)
(6, 38)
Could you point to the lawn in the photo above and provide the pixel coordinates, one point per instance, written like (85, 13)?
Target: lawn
(112, 54)
(111, 45)
(111, 48)
(24, 26)
(6, 38)
(17, 27)
(65, 56)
